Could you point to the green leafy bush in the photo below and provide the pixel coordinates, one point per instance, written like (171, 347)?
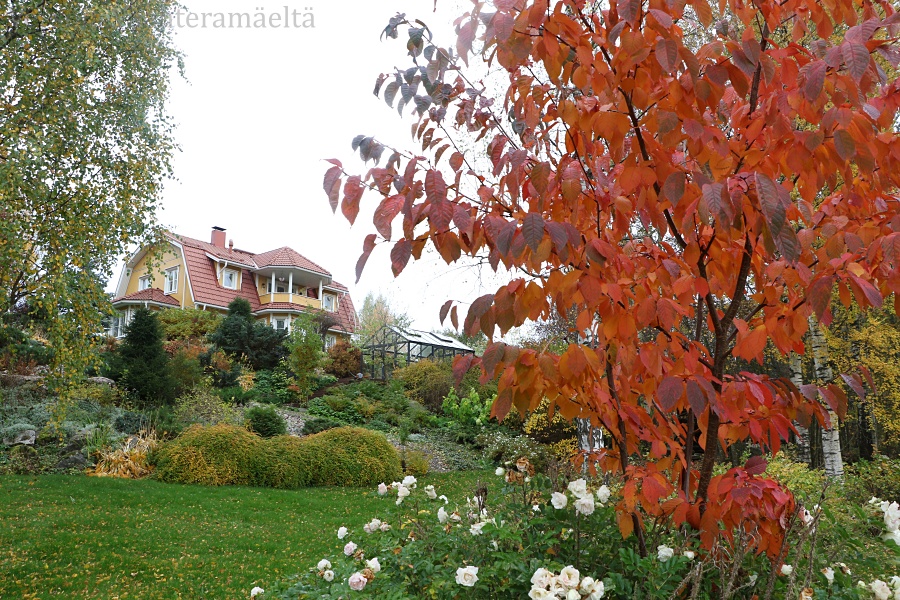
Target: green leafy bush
(304, 348)
(214, 455)
(286, 462)
(879, 477)
(336, 408)
(265, 421)
(273, 387)
(203, 406)
(191, 324)
(317, 382)
(351, 456)
(427, 382)
(501, 447)
(317, 424)
(416, 463)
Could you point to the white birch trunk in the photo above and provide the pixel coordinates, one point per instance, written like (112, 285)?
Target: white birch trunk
(802, 432)
(831, 438)
(590, 439)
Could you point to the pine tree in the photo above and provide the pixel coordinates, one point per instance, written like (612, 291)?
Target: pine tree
(143, 361)
(242, 337)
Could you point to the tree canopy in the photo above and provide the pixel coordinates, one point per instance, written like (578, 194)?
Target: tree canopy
(376, 312)
(687, 187)
(85, 144)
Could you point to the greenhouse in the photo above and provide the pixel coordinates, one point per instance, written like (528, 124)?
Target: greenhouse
(392, 347)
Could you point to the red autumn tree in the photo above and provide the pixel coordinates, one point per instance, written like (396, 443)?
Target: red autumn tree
(690, 182)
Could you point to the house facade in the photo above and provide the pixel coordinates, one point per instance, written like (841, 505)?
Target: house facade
(188, 273)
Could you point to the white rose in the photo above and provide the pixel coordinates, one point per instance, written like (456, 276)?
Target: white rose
(444, 498)
(342, 533)
(358, 581)
(256, 592)
(409, 481)
(467, 576)
(429, 491)
(586, 584)
(537, 593)
(395, 485)
(578, 488)
(541, 578)
(689, 554)
(603, 494)
(454, 516)
(558, 500)
(874, 500)
(664, 553)
(374, 564)
(385, 527)
(573, 595)
(597, 591)
(895, 582)
(786, 570)
(881, 590)
(807, 517)
(350, 548)
(328, 575)
(476, 528)
(382, 489)
(324, 564)
(375, 524)
(402, 491)
(569, 577)
(499, 471)
(893, 536)
(892, 516)
(536, 508)
(442, 515)
(828, 572)
(585, 505)
(752, 579)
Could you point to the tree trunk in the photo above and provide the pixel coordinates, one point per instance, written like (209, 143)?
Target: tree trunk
(831, 438)
(802, 432)
(590, 440)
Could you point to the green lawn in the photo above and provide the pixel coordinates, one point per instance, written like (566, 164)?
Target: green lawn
(64, 536)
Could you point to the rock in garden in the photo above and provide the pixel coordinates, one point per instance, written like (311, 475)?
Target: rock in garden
(23, 438)
(75, 461)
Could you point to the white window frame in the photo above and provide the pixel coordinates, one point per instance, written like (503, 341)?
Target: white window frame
(275, 322)
(225, 275)
(333, 302)
(171, 285)
(330, 341)
(144, 283)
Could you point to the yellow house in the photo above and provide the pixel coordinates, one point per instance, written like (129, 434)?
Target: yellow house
(279, 284)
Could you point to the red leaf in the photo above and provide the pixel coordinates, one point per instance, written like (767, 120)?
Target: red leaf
(628, 10)
(696, 397)
(444, 310)
(454, 318)
(669, 392)
(871, 293)
(756, 465)
(368, 246)
(461, 366)
(435, 188)
(667, 54)
(814, 73)
(533, 230)
(819, 295)
(332, 185)
(492, 356)
(353, 191)
(673, 188)
(856, 57)
(385, 213)
(844, 144)
(456, 161)
(400, 254)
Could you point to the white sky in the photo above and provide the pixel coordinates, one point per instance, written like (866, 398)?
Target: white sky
(259, 110)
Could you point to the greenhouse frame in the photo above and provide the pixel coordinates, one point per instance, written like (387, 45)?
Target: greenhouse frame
(392, 347)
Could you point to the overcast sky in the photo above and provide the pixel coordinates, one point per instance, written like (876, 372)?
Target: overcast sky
(259, 110)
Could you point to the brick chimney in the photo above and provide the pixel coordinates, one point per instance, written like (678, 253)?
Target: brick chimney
(218, 237)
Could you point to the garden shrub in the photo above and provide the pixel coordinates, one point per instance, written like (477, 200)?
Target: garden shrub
(130, 422)
(236, 395)
(265, 421)
(185, 369)
(304, 352)
(325, 407)
(416, 463)
(192, 324)
(317, 424)
(130, 460)
(287, 462)
(879, 477)
(202, 405)
(241, 336)
(468, 415)
(427, 381)
(317, 382)
(273, 387)
(224, 370)
(545, 430)
(344, 360)
(210, 455)
(164, 422)
(98, 439)
(354, 457)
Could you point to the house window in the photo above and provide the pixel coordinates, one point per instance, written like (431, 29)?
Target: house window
(281, 324)
(144, 283)
(230, 279)
(330, 340)
(328, 302)
(279, 286)
(171, 280)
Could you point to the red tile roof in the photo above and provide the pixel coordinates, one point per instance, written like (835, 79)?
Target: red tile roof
(148, 295)
(287, 257)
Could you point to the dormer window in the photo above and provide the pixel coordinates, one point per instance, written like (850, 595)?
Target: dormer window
(329, 302)
(230, 279)
(171, 280)
(144, 283)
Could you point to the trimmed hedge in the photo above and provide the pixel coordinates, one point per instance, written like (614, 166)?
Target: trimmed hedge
(228, 455)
